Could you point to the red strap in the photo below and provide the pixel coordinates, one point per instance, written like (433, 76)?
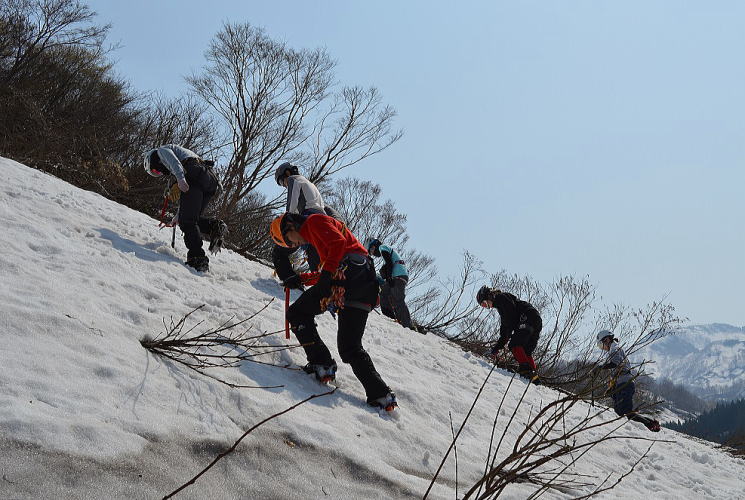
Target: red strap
(163, 214)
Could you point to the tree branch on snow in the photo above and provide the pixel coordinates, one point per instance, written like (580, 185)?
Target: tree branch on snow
(226, 346)
(235, 445)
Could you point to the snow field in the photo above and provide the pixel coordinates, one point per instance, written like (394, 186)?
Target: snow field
(86, 412)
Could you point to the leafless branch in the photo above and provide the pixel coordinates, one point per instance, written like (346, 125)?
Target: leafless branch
(237, 442)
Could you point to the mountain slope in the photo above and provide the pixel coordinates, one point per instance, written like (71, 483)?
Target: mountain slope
(86, 412)
(706, 358)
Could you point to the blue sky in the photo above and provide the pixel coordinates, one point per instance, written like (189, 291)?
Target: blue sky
(547, 137)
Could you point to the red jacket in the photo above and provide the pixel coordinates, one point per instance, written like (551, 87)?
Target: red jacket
(331, 239)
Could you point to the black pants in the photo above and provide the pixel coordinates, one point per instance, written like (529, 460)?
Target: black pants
(623, 398)
(393, 301)
(202, 187)
(351, 328)
(527, 333)
(623, 403)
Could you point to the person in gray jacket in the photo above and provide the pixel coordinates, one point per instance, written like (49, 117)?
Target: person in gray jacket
(303, 197)
(621, 388)
(197, 184)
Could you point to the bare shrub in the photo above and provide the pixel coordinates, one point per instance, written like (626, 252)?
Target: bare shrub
(226, 346)
(546, 450)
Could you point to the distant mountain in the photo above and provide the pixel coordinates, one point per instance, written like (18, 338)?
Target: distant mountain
(707, 359)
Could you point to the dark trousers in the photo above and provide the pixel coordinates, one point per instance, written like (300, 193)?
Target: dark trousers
(623, 398)
(524, 341)
(623, 403)
(351, 328)
(393, 301)
(527, 333)
(202, 187)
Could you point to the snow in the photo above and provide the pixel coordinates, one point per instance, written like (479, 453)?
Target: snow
(86, 412)
(705, 358)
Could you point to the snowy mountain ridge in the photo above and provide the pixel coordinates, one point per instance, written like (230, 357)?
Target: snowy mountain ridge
(708, 359)
(86, 412)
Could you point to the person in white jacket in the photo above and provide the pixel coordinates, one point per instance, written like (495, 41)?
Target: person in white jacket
(303, 197)
(622, 386)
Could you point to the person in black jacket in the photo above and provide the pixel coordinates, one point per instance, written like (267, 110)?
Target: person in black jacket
(520, 326)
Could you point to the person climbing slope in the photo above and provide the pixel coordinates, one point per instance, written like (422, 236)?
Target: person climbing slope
(303, 198)
(621, 387)
(520, 324)
(348, 281)
(393, 280)
(197, 185)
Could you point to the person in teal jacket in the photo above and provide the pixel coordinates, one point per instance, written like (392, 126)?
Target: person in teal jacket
(393, 278)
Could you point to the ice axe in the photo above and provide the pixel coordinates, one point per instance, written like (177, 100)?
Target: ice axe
(287, 308)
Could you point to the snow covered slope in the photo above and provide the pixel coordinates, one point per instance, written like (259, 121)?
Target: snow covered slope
(86, 412)
(705, 358)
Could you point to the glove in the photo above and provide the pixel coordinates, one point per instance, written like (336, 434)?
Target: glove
(332, 309)
(174, 193)
(294, 283)
(610, 390)
(500, 345)
(324, 284)
(183, 185)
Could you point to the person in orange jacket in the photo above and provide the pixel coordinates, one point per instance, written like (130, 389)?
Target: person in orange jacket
(348, 281)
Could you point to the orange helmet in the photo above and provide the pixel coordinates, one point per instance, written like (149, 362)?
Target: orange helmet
(275, 230)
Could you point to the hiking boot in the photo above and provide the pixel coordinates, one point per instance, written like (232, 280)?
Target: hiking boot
(653, 426)
(201, 264)
(323, 373)
(218, 232)
(526, 371)
(387, 402)
(418, 328)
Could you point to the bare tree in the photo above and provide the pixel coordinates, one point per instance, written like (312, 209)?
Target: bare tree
(33, 27)
(355, 127)
(365, 214)
(568, 302)
(451, 309)
(277, 103)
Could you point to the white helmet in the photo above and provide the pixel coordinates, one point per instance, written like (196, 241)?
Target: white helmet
(602, 335)
(151, 159)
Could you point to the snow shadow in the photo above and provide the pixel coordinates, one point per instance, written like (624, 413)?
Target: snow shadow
(147, 252)
(272, 288)
(300, 385)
